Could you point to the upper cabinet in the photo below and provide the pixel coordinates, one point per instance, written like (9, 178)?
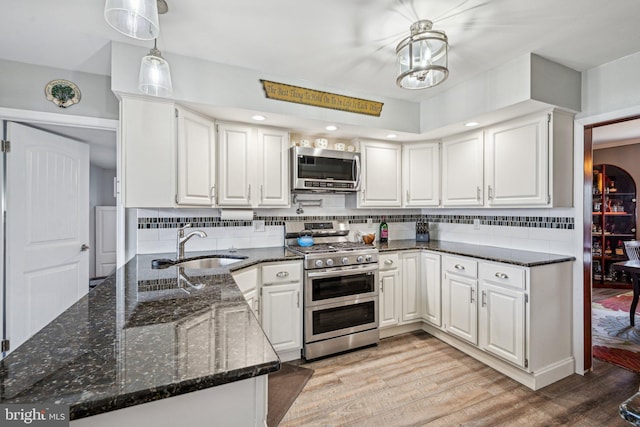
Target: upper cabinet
(529, 162)
(462, 170)
(253, 166)
(196, 159)
(148, 140)
(381, 179)
(421, 174)
(399, 175)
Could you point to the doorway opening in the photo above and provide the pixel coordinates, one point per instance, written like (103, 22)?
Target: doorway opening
(597, 271)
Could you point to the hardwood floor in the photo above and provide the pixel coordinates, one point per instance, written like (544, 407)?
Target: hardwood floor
(415, 380)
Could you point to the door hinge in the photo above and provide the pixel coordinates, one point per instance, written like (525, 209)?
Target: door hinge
(526, 363)
(549, 118)
(526, 298)
(6, 146)
(177, 199)
(548, 199)
(176, 110)
(5, 345)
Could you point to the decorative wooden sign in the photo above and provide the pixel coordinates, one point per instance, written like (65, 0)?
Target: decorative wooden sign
(316, 98)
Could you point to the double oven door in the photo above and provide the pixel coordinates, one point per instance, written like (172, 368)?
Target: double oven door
(340, 301)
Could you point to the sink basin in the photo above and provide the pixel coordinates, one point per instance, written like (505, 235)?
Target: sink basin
(208, 262)
(205, 262)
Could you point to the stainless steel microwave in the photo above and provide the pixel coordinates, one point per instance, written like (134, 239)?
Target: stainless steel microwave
(315, 169)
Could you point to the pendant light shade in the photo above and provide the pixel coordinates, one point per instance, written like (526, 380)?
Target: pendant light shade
(155, 75)
(422, 57)
(133, 18)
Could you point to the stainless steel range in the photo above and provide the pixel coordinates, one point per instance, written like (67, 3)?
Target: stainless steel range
(340, 288)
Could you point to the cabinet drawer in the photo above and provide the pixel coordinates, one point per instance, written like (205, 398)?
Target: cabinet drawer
(282, 273)
(503, 274)
(388, 261)
(459, 265)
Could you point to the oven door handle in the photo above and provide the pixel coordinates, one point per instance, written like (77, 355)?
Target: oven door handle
(348, 272)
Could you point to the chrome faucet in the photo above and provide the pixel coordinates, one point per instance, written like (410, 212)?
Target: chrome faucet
(182, 239)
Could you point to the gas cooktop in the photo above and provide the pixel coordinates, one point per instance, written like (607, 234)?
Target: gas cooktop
(331, 247)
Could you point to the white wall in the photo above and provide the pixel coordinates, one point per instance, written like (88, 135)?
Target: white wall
(22, 87)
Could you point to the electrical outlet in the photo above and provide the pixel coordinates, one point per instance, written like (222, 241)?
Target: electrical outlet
(369, 222)
(258, 225)
(476, 224)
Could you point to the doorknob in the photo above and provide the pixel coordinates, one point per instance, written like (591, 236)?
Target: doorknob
(84, 247)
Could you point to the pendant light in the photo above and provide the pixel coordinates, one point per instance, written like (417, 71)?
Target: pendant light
(155, 75)
(135, 18)
(422, 57)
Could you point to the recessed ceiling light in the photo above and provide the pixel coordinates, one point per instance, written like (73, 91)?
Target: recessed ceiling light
(331, 128)
(258, 117)
(392, 135)
(471, 124)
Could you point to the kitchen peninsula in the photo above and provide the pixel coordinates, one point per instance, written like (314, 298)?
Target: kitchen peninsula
(148, 334)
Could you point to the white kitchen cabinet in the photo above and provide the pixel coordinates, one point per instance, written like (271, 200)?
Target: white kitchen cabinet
(281, 316)
(502, 331)
(247, 281)
(411, 286)
(462, 170)
(528, 161)
(196, 159)
(253, 166)
(148, 138)
(421, 174)
(430, 298)
(390, 295)
(281, 294)
(381, 177)
(460, 290)
(273, 168)
(236, 164)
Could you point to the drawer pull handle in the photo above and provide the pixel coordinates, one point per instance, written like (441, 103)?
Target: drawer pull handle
(501, 276)
(282, 274)
(388, 261)
(459, 267)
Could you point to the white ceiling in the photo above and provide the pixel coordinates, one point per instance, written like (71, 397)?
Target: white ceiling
(335, 43)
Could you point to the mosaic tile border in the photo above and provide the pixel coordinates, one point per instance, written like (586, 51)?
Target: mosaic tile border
(565, 223)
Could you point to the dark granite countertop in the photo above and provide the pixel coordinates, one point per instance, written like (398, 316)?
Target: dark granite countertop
(489, 253)
(125, 342)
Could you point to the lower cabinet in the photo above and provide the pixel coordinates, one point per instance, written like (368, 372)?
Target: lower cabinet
(273, 292)
(430, 289)
(390, 292)
(459, 291)
(410, 276)
(281, 315)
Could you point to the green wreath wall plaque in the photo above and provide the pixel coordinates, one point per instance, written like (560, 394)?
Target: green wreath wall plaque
(63, 93)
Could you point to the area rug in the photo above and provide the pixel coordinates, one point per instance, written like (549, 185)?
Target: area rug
(284, 387)
(614, 340)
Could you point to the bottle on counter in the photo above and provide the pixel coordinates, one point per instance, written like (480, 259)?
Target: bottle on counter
(384, 231)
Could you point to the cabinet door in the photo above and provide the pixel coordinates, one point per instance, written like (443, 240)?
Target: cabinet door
(236, 164)
(502, 313)
(381, 180)
(421, 174)
(461, 309)
(462, 170)
(410, 286)
(389, 298)
(148, 132)
(282, 315)
(517, 162)
(196, 159)
(430, 288)
(273, 168)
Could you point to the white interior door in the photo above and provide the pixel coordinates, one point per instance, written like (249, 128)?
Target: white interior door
(106, 240)
(47, 226)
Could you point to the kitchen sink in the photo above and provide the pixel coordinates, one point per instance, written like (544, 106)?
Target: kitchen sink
(212, 261)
